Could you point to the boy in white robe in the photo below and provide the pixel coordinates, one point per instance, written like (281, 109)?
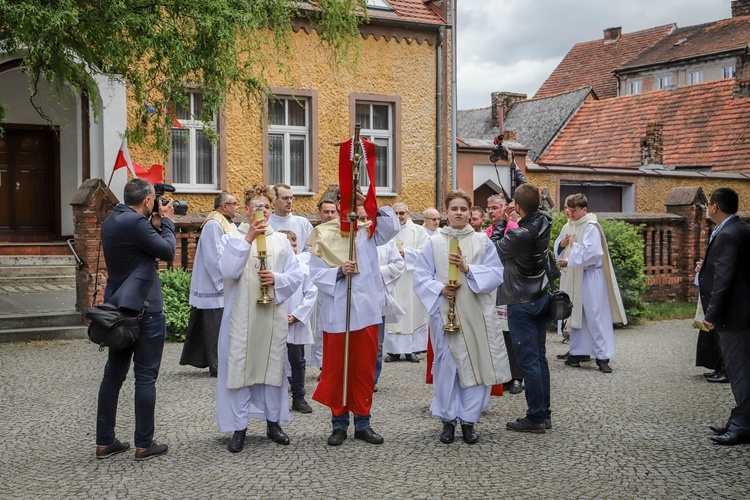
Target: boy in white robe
(252, 341)
(469, 362)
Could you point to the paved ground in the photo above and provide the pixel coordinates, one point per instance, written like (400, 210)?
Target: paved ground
(638, 433)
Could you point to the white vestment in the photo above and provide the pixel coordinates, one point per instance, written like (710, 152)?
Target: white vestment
(300, 226)
(302, 305)
(431, 233)
(392, 266)
(408, 335)
(469, 362)
(207, 282)
(238, 354)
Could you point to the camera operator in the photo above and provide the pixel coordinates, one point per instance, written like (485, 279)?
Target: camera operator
(131, 242)
(523, 252)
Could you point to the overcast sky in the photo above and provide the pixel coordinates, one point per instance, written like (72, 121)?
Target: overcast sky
(513, 45)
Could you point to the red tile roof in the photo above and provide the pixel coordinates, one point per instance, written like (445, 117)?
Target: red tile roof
(590, 64)
(702, 125)
(697, 40)
(413, 10)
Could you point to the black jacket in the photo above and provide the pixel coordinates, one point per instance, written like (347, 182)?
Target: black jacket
(130, 245)
(724, 278)
(523, 252)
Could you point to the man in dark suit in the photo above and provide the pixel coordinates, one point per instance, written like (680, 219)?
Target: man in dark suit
(131, 243)
(724, 282)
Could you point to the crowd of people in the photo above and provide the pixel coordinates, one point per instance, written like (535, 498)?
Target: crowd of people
(275, 295)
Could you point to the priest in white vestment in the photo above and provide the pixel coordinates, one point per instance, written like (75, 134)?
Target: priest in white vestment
(469, 362)
(252, 341)
(283, 218)
(431, 221)
(207, 287)
(409, 335)
(591, 283)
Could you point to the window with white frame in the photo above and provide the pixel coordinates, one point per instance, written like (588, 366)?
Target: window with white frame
(289, 141)
(695, 77)
(665, 82)
(194, 158)
(727, 72)
(376, 119)
(635, 86)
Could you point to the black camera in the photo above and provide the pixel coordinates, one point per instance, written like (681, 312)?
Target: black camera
(499, 152)
(180, 206)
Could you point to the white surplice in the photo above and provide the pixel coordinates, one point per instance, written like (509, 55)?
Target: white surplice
(408, 335)
(207, 282)
(462, 386)
(260, 400)
(392, 266)
(300, 226)
(302, 305)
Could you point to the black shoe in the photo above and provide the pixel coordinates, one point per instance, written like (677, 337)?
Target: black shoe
(392, 357)
(337, 437)
(237, 442)
(563, 356)
(721, 378)
(731, 438)
(449, 432)
(113, 449)
(711, 374)
(515, 386)
(573, 361)
(212, 374)
(526, 425)
(604, 365)
(547, 422)
(718, 430)
(153, 450)
(274, 432)
(301, 405)
(470, 436)
(411, 357)
(369, 435)
(375, 389)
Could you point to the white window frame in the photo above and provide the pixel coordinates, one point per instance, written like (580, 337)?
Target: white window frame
(695, 77)
(635, 87)
(287, 131)
(664, 82)
(192, 126)
(370, 134)
(727, 72)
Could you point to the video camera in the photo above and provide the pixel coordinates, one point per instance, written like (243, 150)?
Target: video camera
(180, 206)
(499, 152)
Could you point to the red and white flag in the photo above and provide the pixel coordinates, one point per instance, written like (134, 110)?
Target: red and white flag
(154, 175)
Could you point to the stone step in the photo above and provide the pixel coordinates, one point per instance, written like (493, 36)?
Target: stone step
(40, 320)
(25, 284)
(40, 270)
(44, 333)
(37, 260)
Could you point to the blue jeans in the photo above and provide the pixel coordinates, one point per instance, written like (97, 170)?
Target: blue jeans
(379, 362)
(146, 354)
(361, 422)
(527, 325)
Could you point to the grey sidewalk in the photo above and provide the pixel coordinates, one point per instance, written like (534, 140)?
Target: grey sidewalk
(640, 432)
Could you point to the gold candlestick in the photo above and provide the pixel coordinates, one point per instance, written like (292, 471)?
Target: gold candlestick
(260, 245)
(452, 325)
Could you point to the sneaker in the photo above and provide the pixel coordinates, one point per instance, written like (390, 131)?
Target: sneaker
(301, 406)
(113, 449)
(547, 422)
(526, 425)
(153, 450)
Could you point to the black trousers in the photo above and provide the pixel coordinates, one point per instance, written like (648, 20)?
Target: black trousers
(202, 339)
(296, 355)
(735, 348)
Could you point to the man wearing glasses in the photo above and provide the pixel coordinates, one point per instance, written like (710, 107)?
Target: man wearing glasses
(283, 219)
(207, 287)
(431, 221)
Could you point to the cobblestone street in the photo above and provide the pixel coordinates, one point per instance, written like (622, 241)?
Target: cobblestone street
(641, 432)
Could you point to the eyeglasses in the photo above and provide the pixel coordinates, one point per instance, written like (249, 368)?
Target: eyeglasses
(233, 203)
(434, 219)
(261, 206)
(401, 213)
(286, 198)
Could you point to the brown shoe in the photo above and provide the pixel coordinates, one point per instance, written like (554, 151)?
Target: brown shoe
(113, 449)
(153, 450)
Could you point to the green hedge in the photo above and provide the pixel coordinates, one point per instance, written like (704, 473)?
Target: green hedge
(626, 252)
(175, 285)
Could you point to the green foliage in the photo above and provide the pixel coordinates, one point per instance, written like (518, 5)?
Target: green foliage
(626, 251)
(162, 46)
(175, 286)
(658, 311)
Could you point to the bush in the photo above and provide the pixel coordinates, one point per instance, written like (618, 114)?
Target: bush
(175, 285)
(626, 251)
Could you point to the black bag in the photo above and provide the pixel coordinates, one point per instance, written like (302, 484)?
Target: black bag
(560, 306)
(111, 327)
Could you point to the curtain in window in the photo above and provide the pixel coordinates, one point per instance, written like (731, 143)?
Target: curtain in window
(381, 162)
(276, 158)
(297, 160)
(204, 159)
(180, 156)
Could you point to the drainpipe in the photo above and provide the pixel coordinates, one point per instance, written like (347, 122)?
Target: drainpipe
(454, 98)
(439, 116)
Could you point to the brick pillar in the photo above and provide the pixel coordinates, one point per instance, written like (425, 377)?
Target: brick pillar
(92, 203)
(689, 202)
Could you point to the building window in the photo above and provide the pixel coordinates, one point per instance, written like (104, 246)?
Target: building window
(289, 141)
(602, 197)
(665, 82)
(727, 72)
(378, 4)
(695, 77)
(194, 159)
(636, 87)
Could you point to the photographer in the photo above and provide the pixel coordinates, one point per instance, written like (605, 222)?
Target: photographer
(131, 242)
(523, 252)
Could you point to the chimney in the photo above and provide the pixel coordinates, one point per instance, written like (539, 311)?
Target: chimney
(652, 150)
(502, 102)
(612, 34)
(740, 8)
(742, 77)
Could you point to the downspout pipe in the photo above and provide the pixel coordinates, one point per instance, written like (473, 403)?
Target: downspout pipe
(454, 98)
(439, 117)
